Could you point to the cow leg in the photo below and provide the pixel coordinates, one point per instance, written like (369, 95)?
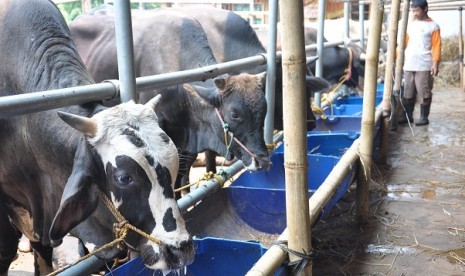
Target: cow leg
(42, 258)
(9, 239)
(210, 161)
(185, 163)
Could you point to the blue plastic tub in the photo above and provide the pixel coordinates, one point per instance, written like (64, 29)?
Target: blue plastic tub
(346, 124)
(344, 110)
(356, 100)
(327, 143)
(212, 257)
(259, 198)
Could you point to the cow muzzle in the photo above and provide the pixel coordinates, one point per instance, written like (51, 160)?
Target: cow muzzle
(258, 163)
(168, 258)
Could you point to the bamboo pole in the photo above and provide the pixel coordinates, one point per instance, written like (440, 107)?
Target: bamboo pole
(368, 113)
(400, 63)
(388, 78)
(462, 73)
(295, 132)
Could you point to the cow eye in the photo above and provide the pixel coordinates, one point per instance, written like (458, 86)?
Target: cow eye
(123, 180)
(235, 115)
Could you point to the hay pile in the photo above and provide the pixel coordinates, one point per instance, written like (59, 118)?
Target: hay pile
(449, 68)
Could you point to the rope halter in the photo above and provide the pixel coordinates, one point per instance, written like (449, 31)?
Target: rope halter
(228, 132)
(121, 229)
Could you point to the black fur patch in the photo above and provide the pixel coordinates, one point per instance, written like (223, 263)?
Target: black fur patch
(133, 126)
(169, 222)
(165, 137)
(150, 160)
(133, 137)
(164, 179)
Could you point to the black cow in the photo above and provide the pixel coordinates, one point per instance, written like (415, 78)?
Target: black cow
(335, 59)
(231, 37)
(51, 174)
(167, 41)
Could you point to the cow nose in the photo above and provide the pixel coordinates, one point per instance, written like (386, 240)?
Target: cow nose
(183, 255)
(263, 162)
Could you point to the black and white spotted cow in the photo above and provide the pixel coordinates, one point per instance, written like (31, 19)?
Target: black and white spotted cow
(51, 173)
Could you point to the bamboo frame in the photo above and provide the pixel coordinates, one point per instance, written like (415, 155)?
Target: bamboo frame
(388, 78)
(368, 113)
(400, 61)
(295, 131)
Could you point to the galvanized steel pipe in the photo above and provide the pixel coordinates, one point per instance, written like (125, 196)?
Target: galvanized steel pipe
(125, 50)
(271, 71)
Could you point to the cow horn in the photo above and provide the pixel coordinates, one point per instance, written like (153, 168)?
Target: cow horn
(153, 103)
(83, 124)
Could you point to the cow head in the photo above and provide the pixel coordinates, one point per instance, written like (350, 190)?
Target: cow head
(240, 103)
(129, 158)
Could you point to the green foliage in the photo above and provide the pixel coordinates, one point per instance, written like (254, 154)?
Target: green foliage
(71, 10)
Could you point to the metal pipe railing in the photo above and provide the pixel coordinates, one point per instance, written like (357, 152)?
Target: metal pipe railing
(271, 71)
(125, 50)
(39, 101)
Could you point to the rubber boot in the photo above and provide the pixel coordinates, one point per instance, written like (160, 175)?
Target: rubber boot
(423, 115)
(409, 105)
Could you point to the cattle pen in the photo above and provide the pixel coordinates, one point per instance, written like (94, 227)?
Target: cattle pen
(373, 122)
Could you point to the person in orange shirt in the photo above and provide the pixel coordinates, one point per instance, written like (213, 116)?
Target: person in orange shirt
(422, 56)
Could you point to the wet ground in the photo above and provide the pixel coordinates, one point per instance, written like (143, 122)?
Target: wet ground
(417, 206)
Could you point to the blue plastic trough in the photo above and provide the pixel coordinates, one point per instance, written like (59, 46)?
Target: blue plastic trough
(212, 257)
(344, 110)
(356, 100)
(259, 198)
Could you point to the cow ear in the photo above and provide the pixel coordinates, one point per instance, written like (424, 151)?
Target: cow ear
(79, 200)
(209, 95)
(220, 83)
(316, 84)
(262, 77)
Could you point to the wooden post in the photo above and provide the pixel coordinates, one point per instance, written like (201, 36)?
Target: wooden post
(368, 113)
(295, 132)
(400, 61)
(388, 79)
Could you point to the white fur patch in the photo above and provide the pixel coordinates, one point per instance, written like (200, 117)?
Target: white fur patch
(115, 201)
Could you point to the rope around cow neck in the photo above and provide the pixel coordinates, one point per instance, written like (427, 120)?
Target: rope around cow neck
(120, 229)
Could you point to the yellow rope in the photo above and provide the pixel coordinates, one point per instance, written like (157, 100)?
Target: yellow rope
(270, 147)
(120, 229)
(319, 110)
(327, 97)
(206, 176)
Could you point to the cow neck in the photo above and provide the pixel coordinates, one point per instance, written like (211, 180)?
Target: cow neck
(227, 133)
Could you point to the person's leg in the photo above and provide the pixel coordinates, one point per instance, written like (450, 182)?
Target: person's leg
(408, 97)
(424, 84)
